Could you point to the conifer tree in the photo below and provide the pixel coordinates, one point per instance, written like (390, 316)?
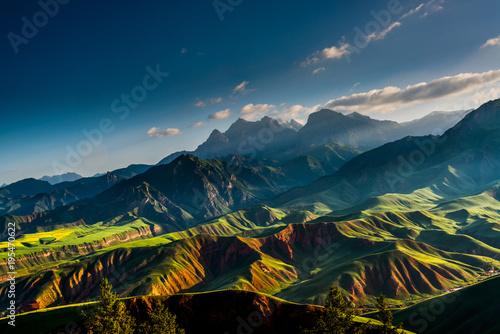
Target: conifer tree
(385, 316)
(338, 317)
(109, 315)
(161, 321)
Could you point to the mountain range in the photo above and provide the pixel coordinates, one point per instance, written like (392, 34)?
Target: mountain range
(435, 123)
(303, 153)
(67, 177)
(284, 141)
(411, 217)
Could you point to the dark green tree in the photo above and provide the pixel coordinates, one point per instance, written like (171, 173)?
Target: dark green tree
(109, 315)
(338, 317)
(161, 321)
(385, 316)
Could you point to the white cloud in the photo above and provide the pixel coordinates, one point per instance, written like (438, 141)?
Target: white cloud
(334, 52)
(221, 114)
(492, 42)
(296, 112)
(241, 89)
(485, 95)
(157, 132)
(392, 98)
(413, 11)
(184, 50)
(384, 32)
(432, 6)
(344, 49)
(252, 112)
(209, 101)
(320, 69)
(198, 124)
(355, 85)
(381, 35)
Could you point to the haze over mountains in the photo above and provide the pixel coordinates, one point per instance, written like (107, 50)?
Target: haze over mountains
(272, 138)
(435, 123)
(463, 159)
(67, 177)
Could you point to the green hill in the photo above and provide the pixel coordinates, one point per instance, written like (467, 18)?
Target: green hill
(473, 309)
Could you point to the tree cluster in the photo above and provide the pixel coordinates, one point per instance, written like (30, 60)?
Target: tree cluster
(110, 316)
(339, 318)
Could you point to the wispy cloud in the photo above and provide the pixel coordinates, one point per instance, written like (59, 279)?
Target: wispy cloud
(491, 42)
(362, 39)
(320, 69)
(296, 112)
(413, 11)
(334, 52)
(425, 8)
(384, 32)
(255, 111)
(344, 49)
(487, 94)
(242, 89)
(391, 98)
(201, 103)
(221, 114)
(184, 50)
(355, 85)
(433, 6)
(157, 132)
(198, 124)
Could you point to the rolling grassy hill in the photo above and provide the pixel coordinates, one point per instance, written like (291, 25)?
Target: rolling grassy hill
(473, 309)
(365, 255)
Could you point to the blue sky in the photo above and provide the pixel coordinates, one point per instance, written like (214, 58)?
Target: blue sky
(225, 59)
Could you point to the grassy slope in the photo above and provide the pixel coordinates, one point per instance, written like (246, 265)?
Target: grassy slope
(371, 243)
(473, 309)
